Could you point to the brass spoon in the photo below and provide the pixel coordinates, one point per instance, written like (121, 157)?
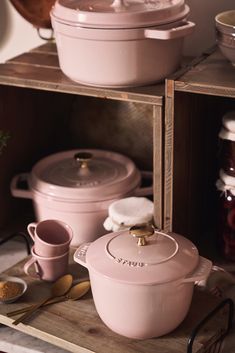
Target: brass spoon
(75, 293)
(59, 288)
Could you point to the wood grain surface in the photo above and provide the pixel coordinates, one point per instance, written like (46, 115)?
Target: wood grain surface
(76, 326)
(39, 69)
(214, 75)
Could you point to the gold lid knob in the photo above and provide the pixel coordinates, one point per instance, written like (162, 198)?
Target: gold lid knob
(141, 232)
(83, 158)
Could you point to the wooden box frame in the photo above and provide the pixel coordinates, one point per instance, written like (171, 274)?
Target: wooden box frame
(35, 97)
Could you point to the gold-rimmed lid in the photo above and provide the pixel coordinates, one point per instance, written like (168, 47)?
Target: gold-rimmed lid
(90, 174)
(161, 258)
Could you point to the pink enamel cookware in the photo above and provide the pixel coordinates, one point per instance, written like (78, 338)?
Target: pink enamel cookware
(142, 280)
(77, 188)
(118, 43)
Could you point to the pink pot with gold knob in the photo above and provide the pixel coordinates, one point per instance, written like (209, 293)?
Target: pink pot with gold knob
(142, 280)
(77, 187)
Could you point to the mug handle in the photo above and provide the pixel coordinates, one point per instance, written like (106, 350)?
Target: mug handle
(27, 266)
(31, 230)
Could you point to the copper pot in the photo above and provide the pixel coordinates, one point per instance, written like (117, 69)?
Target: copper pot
(35, 12)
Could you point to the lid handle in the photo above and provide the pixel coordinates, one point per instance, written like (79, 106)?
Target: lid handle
(141, 232)
(83, 158)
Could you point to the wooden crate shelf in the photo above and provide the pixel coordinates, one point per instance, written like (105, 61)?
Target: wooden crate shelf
(178, 119)
(34, 82)
(196, 99)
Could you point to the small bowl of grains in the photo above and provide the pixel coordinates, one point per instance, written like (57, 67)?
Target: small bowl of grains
(11, 289)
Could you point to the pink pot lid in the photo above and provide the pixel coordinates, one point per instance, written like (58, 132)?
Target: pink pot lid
(85, 175)
(164, 258)
(118, 13)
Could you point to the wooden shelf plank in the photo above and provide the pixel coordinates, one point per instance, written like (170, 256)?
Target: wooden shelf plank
(39, 59)
(39, 69)
(49, 47)
(214, 75)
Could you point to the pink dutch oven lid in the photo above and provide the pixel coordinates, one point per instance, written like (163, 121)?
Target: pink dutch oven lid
(119, 13)
(84, 175)
(163, 257)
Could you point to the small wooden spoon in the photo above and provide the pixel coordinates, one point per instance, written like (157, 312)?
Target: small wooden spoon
(59, 288)
(75, 293)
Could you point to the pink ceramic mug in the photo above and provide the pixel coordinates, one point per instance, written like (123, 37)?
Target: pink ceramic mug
(47, 268)
(51, 237)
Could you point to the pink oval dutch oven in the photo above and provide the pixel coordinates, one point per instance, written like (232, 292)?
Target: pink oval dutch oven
(78, 187)
(142, 280)
(119, 43)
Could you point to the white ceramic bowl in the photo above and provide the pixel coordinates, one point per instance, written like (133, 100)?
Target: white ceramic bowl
(225, 34)
(16, 280)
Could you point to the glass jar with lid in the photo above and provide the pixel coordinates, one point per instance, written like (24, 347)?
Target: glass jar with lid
(127, 212)
(226, 222)
(227, 144)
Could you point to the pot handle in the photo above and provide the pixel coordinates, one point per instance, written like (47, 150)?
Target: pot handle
(201, 272)
(16, 190)
(148, 190)
(80, 254)
(182, 29)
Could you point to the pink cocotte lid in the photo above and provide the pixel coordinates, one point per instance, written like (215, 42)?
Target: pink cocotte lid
(118, 13)
(142, 255)
(84, 175)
